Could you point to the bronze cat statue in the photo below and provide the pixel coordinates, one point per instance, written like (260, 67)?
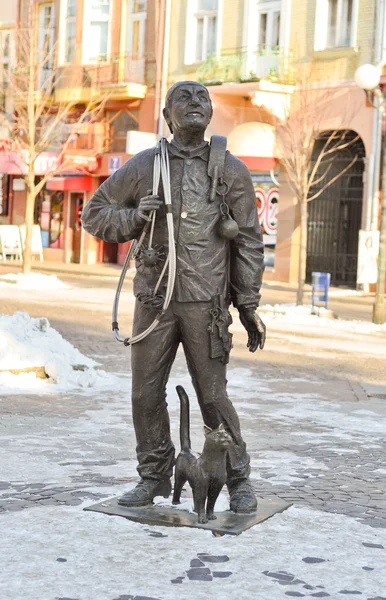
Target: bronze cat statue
(206, 473)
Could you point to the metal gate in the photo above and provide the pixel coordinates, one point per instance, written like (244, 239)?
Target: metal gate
(334, 221)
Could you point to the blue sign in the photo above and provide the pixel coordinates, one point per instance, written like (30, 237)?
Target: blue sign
(115, 163)
(320, 287)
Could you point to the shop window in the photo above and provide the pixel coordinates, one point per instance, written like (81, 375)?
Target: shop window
(96, 31)
(49, 215)
(201, 30)
(120, 122)
(335, 24)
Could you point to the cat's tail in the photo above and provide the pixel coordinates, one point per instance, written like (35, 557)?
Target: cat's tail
(184, 418)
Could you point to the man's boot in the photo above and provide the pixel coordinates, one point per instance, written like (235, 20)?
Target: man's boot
(241, 496)
(145, 492)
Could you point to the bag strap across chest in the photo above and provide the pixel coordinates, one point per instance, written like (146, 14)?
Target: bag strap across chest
(216, 164)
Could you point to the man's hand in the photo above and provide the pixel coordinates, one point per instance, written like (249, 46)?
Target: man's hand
(255, 327)
(148, 204)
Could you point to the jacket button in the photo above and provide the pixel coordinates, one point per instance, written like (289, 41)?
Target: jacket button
(184, 214)
(185, 187)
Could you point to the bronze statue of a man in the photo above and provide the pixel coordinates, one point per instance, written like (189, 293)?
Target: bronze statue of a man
(212, 272)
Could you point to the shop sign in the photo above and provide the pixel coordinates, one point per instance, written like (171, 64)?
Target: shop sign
(368, 250)
(15, 163)
(79, 161)
(36, 245)
(18, 185)
(115, 163)
(10, 243)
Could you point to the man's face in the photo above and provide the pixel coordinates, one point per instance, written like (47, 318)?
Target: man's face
(189, 108)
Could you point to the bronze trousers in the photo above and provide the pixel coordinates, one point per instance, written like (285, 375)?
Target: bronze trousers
(151, 361)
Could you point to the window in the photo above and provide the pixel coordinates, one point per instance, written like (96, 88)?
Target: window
(268, 25)
(136, 28)
(46, 29)
(46, 41)
(5, 57)
(96, 31)
(206, 29)
(120, 123)
(335, 25)
(69, 43)
(202, 29)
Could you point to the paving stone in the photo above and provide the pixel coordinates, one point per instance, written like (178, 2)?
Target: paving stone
(61, 559)
(213, 559)
(222, 574)
(196, 562)
(295, 594)
(353, 592)
(199, 574)
(368, 568)
(320, 595)
(63, 497)
(280, 576)
(313, 560)
(370, 545)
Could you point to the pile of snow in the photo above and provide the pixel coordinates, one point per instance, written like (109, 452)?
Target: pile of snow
(34, 281)
(27, 342)
(296, 310)
(306, 315)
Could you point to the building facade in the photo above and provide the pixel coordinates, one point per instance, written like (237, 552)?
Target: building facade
(103, 50)
(250, 53)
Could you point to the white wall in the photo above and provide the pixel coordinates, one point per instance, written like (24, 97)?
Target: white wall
(7, 12)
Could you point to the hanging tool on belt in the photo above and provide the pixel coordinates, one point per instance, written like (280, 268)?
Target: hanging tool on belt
(219, 336)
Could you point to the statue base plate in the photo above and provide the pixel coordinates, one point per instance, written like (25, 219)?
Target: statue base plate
(226, 523)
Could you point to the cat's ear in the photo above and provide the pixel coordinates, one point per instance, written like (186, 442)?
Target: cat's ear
(207, 430)
(221, 427)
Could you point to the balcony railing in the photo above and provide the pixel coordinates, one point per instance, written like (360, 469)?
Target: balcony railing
(116, 69)
(270, 63)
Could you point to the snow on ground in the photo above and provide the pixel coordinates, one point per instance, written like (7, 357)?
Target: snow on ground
(304, 315)
(63, 552)
(27, 342)
(34, 281)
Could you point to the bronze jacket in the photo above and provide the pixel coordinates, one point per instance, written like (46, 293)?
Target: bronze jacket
(206, 264)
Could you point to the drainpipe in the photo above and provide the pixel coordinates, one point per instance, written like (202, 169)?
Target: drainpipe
(165, 66)
(374, 165)
(159, 36)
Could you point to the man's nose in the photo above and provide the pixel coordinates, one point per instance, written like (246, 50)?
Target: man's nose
(195, 99)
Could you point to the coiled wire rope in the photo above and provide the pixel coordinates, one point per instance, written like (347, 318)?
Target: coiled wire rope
(161, 170)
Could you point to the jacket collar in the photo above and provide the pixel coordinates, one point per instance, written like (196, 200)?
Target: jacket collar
(201, 151)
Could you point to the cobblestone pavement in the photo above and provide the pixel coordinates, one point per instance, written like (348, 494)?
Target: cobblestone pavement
(315, 437)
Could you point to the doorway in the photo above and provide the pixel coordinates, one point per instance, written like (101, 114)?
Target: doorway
(334, 218)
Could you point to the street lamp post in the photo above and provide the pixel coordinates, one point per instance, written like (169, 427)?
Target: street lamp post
(367, 77)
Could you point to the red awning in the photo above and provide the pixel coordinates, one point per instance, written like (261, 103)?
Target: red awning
(72, 184)
(259, 163)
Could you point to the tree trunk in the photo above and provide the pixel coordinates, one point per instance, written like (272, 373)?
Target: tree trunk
(29, 221)
(302, 251)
